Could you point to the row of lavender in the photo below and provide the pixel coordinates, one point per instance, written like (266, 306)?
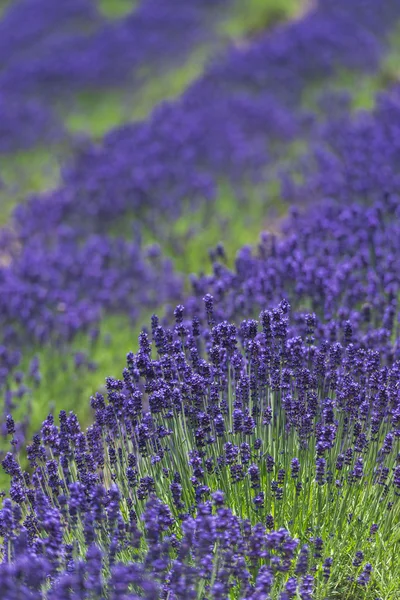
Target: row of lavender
(251, 461)
(229, 462)
(49, 52)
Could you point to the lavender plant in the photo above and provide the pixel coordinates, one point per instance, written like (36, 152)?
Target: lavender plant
(228, 462)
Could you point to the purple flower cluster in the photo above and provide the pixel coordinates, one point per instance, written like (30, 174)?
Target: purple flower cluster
(26, 123)
(170, 566)
(59, 291)
(337, 261)
(291, 436)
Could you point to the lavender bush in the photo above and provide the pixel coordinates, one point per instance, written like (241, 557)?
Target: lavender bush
(228, 462)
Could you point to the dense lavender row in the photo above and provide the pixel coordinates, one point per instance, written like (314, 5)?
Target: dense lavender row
(27, 24)
(26, 123)
(49, 52)
(111, 53)
(331, 34)
(78, 282)
(296, 444)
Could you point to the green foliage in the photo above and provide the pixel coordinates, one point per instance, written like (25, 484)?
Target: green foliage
(115, 9)
(252, 17)
(4, 4)
(61, 379)
(26, 173)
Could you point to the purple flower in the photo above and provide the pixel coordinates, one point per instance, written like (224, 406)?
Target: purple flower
(364, 578)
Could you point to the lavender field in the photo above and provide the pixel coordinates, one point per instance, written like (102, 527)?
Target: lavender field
(200, 300)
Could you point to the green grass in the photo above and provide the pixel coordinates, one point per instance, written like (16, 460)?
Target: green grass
(4, 4)
(26, 173)
(116, 9)
(252, 17)
(60, 379)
